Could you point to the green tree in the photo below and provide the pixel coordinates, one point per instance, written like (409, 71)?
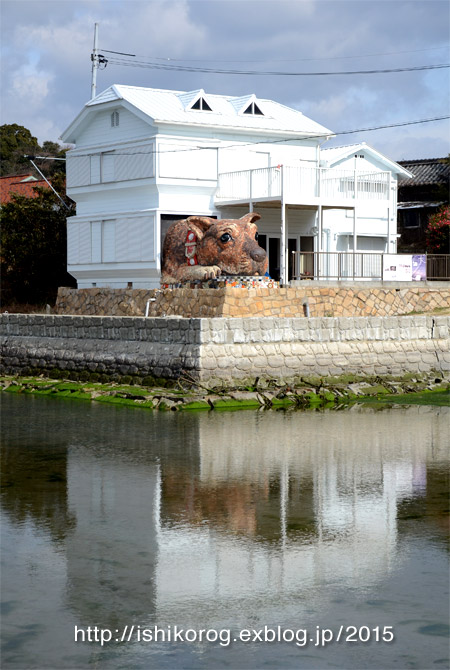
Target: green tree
(438, 232)
(48, 167)
(16, 142)
(33, 247)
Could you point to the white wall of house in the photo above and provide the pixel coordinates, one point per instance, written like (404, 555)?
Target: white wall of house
(370, 225)
(114, 250)
(361, 161)
(299, 221)
(269, 154)
(100, 131)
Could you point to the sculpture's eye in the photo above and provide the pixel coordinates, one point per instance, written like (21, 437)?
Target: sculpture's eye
(226, 237)
(256, 236)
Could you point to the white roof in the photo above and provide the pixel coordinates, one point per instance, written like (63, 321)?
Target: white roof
(173, 107)
(333, 155)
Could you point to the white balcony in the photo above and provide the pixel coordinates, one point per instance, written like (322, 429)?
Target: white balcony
(302, 186)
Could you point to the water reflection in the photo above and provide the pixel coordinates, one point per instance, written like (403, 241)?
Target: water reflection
(206, 519)
(283, 507)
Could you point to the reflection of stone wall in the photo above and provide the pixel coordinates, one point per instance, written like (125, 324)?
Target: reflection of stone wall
(324, 299)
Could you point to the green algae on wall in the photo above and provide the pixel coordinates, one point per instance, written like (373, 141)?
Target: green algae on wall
(310, 394)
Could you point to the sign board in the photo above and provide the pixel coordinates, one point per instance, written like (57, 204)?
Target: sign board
(397, 267)
(404, 267)
(419, 267)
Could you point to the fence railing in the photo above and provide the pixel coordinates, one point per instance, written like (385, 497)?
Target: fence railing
(438, 266)
(302, 184)
(356, 265)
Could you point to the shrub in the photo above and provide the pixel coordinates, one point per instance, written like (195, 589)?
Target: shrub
(438, 232)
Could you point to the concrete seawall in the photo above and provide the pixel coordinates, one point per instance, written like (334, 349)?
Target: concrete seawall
(222, 350)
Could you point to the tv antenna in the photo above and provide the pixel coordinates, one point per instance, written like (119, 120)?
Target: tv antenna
(97, 60)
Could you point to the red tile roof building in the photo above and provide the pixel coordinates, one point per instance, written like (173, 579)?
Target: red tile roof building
(23, 184)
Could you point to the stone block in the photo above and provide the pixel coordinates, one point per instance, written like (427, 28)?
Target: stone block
(441, 332)
(275, 362)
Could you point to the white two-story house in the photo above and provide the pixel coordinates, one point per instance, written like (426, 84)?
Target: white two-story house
(145, 157)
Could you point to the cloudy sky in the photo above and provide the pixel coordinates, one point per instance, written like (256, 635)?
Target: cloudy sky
(46, 68)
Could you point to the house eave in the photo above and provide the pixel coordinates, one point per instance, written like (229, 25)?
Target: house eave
(291, 134)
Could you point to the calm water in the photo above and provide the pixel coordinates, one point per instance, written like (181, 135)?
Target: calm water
(116, 517)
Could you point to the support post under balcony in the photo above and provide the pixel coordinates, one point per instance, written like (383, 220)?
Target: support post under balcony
(283, 277)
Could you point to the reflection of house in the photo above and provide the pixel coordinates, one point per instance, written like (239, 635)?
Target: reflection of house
(419, 198)
(322, 510)
(145, 157)
(19, 185)
(114, 504)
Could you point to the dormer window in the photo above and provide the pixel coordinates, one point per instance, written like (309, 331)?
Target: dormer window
(202, 105)
(253, 109)
(196, 100)
(114, 119)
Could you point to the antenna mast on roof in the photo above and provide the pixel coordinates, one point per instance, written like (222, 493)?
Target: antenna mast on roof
(95, 63)
(97, 59)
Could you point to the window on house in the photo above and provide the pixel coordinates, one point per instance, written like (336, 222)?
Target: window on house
(410, 218)
(202, 105)
(253, 109)
(114, 119)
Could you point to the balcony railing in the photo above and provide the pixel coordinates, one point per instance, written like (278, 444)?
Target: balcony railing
(359, 265)
(302, 184)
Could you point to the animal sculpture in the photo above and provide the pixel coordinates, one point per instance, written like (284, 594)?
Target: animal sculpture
(203, 248)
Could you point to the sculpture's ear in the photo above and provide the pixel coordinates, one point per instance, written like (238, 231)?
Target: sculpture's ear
(251, 217)
(201, 222)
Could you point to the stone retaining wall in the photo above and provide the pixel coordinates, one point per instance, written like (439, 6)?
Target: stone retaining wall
(223, 350)
(323, 298)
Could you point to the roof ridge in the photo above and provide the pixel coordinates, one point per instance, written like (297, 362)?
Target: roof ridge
(344, 146)
(423, 160)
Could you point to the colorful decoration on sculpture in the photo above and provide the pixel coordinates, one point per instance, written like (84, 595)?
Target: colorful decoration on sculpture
(190, 248)
(236, 281)
(200, 250)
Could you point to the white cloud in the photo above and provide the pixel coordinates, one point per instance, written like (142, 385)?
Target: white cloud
(47, 46)
(30, 86)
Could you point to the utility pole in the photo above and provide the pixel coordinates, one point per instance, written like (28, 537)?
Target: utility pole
(95, 63)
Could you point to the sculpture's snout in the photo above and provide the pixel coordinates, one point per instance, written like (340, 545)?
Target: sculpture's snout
(258, 254)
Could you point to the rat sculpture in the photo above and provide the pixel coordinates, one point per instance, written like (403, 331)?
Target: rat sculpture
(203, 248)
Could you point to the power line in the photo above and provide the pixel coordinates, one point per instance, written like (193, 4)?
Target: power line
(45, 178)
(288, 139)
(276, 60)
(204, 70)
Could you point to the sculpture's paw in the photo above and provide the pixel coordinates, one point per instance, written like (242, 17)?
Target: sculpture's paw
(211, 272)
